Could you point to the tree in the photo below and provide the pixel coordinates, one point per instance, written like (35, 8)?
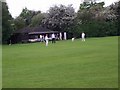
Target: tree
(59, 17)
(118, 17)
(0, 22)
(37, 19)
(90, 11)
(28, 18)
(27, 15)
(6, 23)
(19, 23)
(95, 20)
(87, 17)
(115, 14)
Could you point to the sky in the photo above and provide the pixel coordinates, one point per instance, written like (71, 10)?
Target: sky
(16, 6)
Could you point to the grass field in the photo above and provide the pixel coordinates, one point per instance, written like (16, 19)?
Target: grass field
(66, 64)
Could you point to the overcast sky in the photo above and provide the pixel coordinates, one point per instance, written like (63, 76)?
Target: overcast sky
(16, 6)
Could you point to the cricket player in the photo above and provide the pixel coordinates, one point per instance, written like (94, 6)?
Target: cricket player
(83, 36)
(46, 40)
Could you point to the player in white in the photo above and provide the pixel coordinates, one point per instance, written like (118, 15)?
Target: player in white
(83, 36)
(41, 38)
(73, 39)
(53, 38)
(46, 40)
(60, 36)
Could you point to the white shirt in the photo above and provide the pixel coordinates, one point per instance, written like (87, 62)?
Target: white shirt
(53, 35)
(83, 35)
(46, 37)
(40, 36)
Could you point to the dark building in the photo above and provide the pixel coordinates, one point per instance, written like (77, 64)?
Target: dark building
(28, 33)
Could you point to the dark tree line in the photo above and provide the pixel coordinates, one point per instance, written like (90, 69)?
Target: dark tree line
(92, 18)
(6, 23)
(96, 20)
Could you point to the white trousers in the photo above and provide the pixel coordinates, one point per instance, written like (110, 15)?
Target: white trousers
(46, 43)
(83, 39)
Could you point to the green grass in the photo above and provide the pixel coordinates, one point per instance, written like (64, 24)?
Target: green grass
(66, 64)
